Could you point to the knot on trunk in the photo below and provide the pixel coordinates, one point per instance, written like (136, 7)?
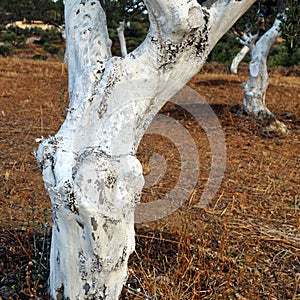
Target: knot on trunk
(45, 158)
(109, 185)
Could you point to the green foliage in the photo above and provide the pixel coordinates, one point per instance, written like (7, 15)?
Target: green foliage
(20, 31)
(248, 21)
(52, 48)
(225, 50)
(132, 12)
(21, 39)
(6, 49)
(2, 16)
(8, 37)
(120, 10)
(39, 57)
(45, 10)
(48, 34)
(12, 38)
(290, 26)
(286, 53)
(280, 56)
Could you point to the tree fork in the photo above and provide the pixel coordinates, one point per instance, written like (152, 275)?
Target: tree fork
(89, 167)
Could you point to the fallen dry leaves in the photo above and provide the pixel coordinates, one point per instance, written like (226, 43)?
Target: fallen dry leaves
(244, 245)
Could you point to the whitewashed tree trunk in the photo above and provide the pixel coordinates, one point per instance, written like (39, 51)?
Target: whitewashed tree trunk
(89, 166)
(256, 86)
(238, 59)
(248, 41)
(122, 40)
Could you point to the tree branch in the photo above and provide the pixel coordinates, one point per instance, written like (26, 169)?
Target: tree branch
(185, 31)
(223, 14)
(87, 37)
(120, 31)
(172, 19)
(238, 58)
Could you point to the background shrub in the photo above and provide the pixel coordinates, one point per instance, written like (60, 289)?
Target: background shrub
(6, 49)
(225, 50)
(8, 37)
(280, 56)
(49, 34)
(52, 48)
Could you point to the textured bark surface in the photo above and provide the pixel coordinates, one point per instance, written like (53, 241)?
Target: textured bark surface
(122, 40)
(238, 59)
(89, 166)
(257, 84)
(248, 41)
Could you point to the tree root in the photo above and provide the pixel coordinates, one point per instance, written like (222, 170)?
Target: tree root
(271, 126)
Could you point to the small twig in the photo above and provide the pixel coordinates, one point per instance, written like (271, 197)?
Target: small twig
(297, 280)
(156, 238)
(139, 293)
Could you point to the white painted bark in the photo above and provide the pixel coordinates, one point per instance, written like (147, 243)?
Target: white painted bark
(256, 86)
(248, 41)
(120, 31)
(89, 166)
(238, 59)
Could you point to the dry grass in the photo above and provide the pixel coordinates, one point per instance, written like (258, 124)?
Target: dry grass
(244, 245)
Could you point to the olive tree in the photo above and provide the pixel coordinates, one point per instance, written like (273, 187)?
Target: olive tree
(259, 46)
(256, 87)
(89, 167)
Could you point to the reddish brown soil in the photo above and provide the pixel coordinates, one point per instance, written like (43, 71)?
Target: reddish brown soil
(244, 245)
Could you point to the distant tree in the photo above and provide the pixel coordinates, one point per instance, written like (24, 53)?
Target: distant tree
(19, 9)
(60, 12)
(122, 40)
(45, 10)
(133, 15)
(259, 45)
(123, 10)
(290, 26)
(3, 15)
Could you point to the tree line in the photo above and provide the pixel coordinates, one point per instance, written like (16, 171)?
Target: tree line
(30, 10)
